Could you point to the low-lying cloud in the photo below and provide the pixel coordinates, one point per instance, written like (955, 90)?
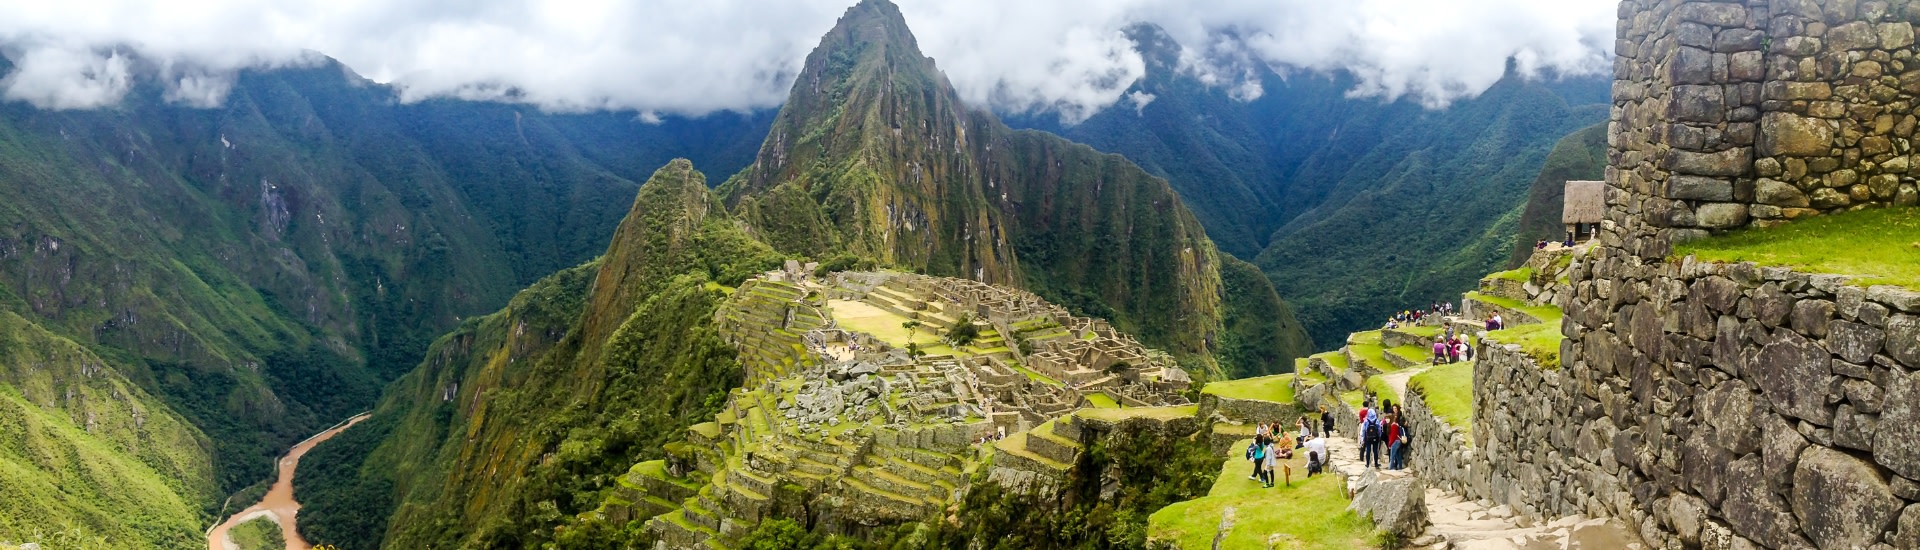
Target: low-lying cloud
(692, 57)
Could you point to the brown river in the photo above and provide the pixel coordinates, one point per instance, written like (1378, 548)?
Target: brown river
(279, 504)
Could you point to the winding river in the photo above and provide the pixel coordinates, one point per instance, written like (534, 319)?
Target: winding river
(279, 504)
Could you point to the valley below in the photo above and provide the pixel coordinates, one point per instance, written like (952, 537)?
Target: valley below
(279, 504)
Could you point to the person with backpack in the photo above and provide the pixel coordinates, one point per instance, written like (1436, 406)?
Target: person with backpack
(1370, 441)
(1256, 452)
(1406, 446)
(1394, 448)
(1326, 422)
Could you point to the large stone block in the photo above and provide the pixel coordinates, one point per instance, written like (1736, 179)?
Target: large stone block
(1729, 409)
(1779, 193)
(1699, 188)
(1842, 501)
(1788, 134)
(1695, 103)
(1752, 510)
(1899, 430)
(1856, 342)
(1858, 35)
(1712, 13)
(1728, 163)
(1793, 372)
(1903, 339)
(1721, 215)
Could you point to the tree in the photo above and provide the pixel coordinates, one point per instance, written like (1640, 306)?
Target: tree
(913, 328)
(963, 332)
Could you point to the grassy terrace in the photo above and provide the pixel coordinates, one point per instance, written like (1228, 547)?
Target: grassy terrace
(1277, 388)
(1373, 355)
(1311, 514)
(1102, 401)
(1035, 376)
(1161, 413)
(1548, 314)
(1417, 354)
(1522, 275)
(1877, 246)
(1540, 341)
(1448, 390)
(1424, 331)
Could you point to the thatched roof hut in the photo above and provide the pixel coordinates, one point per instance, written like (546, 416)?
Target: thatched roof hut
(1586, 202)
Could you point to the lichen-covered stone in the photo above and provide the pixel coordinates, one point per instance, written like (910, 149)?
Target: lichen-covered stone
(1842, 501)
(1792, 372)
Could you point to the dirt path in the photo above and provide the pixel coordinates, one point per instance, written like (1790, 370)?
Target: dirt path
(279, 504)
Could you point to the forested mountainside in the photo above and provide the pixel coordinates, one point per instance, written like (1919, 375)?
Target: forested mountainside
(518, 422)
(189, 291)
(1352, 206)
(1581, 156)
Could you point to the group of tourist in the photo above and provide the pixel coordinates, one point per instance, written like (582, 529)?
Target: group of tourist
(1451, 348)
(1495, 322)
(1414, 317)
(1381, 426)
(1272, 447)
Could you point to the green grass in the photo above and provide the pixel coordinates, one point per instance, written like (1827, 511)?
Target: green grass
(1380, 388)
(1102, 400)
(1335, 358)
(1368, 337)
(1311, 377)
(1277, 388)
(1878, 246)
(1541, 342)
(262, 533)
(1546, 314)
(1448, 391)
(1417, 354)
(1424, 331)
(1312, 513)
(1354, 398)
(1522, 275)
(1373, 355)
(1159, 413)
(1037, 377)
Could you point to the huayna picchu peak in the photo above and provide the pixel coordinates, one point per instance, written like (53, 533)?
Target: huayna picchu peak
(875, 155)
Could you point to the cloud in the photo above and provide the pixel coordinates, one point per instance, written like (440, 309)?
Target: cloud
(690, 57)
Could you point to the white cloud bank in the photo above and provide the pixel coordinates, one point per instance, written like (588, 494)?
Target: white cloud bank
(697, 56)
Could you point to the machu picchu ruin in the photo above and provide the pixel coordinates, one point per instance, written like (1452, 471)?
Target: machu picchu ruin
(859, 412)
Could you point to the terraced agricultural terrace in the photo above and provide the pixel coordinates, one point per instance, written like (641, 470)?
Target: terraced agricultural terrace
(861, 410)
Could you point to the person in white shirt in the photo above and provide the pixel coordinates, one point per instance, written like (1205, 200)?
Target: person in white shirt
(1316, 455)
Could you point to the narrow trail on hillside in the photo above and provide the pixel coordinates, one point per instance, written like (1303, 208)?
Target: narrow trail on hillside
(279, 504)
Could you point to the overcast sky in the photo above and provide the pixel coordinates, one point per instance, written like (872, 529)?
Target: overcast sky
(691, 57)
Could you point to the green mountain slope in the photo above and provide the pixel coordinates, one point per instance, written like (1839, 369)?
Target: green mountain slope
(1350, 205)
(875, 155)
(260, 270)
(521, 418)
(1581, 155)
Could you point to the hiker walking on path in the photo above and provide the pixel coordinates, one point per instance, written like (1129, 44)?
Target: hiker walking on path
(1326, 422)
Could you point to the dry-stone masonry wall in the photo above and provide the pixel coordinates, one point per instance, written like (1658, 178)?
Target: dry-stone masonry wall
(1715, 405)
(1753, 112)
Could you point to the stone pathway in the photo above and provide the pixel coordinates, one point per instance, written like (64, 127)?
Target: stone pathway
(1455, 523)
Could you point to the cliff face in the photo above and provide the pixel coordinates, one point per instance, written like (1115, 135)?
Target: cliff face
(875, 155)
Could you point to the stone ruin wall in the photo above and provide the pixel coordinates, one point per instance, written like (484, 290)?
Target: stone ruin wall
(1753, 112)
(1715, 405)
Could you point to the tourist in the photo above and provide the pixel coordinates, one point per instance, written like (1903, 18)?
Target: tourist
(1326, 422)
(1462, 350)
(1306, 430)
(1406, 444)
(1316, 455)
(1277, 456)
(1370, 441)
(1258, 454)
(1439, 350)
(1499, 323)
(1393, 442)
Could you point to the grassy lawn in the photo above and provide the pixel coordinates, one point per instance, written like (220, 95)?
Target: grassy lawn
(260, 533)
(882, 324)
(1547, 314)
(1311, 514)
(1428, 332)
(1312, 377)
(1380, 388)
(1335, 358)
(1277, 388)
(1879, 246)
(1448, 390)
(1541, 342)
(1102, 400)
(1037, 377)
(1160, 413)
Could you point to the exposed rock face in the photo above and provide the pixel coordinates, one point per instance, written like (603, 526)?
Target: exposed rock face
(1397, 503)
(1842, 501)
